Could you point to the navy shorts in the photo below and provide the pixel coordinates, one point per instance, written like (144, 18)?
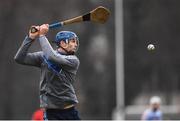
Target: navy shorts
(64, 114)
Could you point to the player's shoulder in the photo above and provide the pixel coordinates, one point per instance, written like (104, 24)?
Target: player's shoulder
(72, 57)
(66, 55)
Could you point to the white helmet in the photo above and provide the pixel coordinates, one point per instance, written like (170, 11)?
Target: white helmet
(155, 100)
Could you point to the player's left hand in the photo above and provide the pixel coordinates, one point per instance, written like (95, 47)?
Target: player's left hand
(33, 35)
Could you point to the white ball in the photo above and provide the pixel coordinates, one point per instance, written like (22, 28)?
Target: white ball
(151, 47)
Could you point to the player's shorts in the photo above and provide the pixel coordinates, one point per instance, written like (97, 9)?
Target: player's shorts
(61, 114)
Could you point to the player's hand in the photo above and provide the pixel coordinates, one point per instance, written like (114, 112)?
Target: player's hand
(43, 29)
(33, 35)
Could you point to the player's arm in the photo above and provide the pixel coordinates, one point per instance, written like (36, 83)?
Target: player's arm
(50, 54)
(23, 57)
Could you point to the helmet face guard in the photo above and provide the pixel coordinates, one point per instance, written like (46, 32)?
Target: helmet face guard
(66, 36)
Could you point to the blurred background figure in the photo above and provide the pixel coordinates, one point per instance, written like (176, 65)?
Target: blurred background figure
(153, 112)
(37, 115)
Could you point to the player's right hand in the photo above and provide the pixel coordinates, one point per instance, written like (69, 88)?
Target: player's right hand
(34, 35)
(43, 29)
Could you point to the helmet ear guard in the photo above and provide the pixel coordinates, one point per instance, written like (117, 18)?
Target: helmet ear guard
(66, 41)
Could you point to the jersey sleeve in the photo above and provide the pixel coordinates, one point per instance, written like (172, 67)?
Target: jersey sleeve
(23, 57)
(69, 62)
